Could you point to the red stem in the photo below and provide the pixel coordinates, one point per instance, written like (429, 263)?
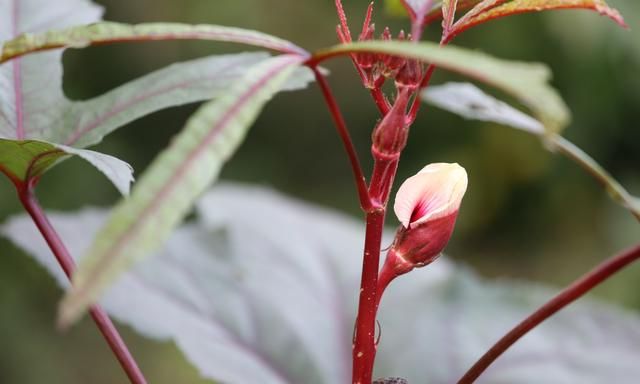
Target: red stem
(573, 292)
(384, 172)
(106, 327)
(343, 131)
(381, 102)
(364, 345)
(417, 101)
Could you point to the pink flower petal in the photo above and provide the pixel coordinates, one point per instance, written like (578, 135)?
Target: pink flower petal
(434, 192)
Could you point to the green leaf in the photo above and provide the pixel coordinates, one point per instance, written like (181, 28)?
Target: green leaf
(527, 82)
(177, 177)
(23, 160)
(470, 102)
(110, 32)
(261, 288)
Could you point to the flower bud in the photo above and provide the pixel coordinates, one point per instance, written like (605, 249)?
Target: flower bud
(366, 60)
(427, 205)
(390, 135)
(410, 75)
(390, 64)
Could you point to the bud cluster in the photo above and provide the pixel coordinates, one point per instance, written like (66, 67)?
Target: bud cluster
(378, 68)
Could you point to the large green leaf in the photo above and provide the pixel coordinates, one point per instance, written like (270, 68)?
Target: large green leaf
(528, 82)
(23, 160)
(472, 103)
(110, 32)
(260, 288)
(176, 178)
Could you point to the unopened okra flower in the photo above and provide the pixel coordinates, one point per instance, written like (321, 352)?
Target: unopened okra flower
(427, 205)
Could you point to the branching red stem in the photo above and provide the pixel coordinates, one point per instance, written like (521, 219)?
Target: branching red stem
(573, 292)
(343, 131)
(106, 327)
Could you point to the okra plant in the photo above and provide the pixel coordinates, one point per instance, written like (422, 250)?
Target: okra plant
(237, 296)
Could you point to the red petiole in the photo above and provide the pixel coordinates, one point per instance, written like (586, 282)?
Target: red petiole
(105, 325)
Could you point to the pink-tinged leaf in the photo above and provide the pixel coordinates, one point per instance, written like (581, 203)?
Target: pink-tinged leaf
(33, 107)
(166, 192)
(109, 32)
(88, 121)
(418, 9)
(31, 87)
(493, 9)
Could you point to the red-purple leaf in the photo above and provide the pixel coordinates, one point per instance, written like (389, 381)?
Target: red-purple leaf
(109, 32)
(493, 9)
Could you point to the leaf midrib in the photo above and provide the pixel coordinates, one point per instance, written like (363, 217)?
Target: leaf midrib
(17, 76)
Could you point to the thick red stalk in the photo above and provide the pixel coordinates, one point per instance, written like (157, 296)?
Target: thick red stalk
(343, 131)
(573, 292)
(364, 344)
(106, 327)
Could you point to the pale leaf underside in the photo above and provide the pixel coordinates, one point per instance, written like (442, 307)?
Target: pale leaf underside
(470, 102)
(279, 309)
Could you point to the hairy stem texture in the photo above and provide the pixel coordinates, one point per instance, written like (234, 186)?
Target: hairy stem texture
(100, 317)
(364, 345)
(573, 292)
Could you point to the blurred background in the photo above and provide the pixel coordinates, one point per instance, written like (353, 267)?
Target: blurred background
(528, 214)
